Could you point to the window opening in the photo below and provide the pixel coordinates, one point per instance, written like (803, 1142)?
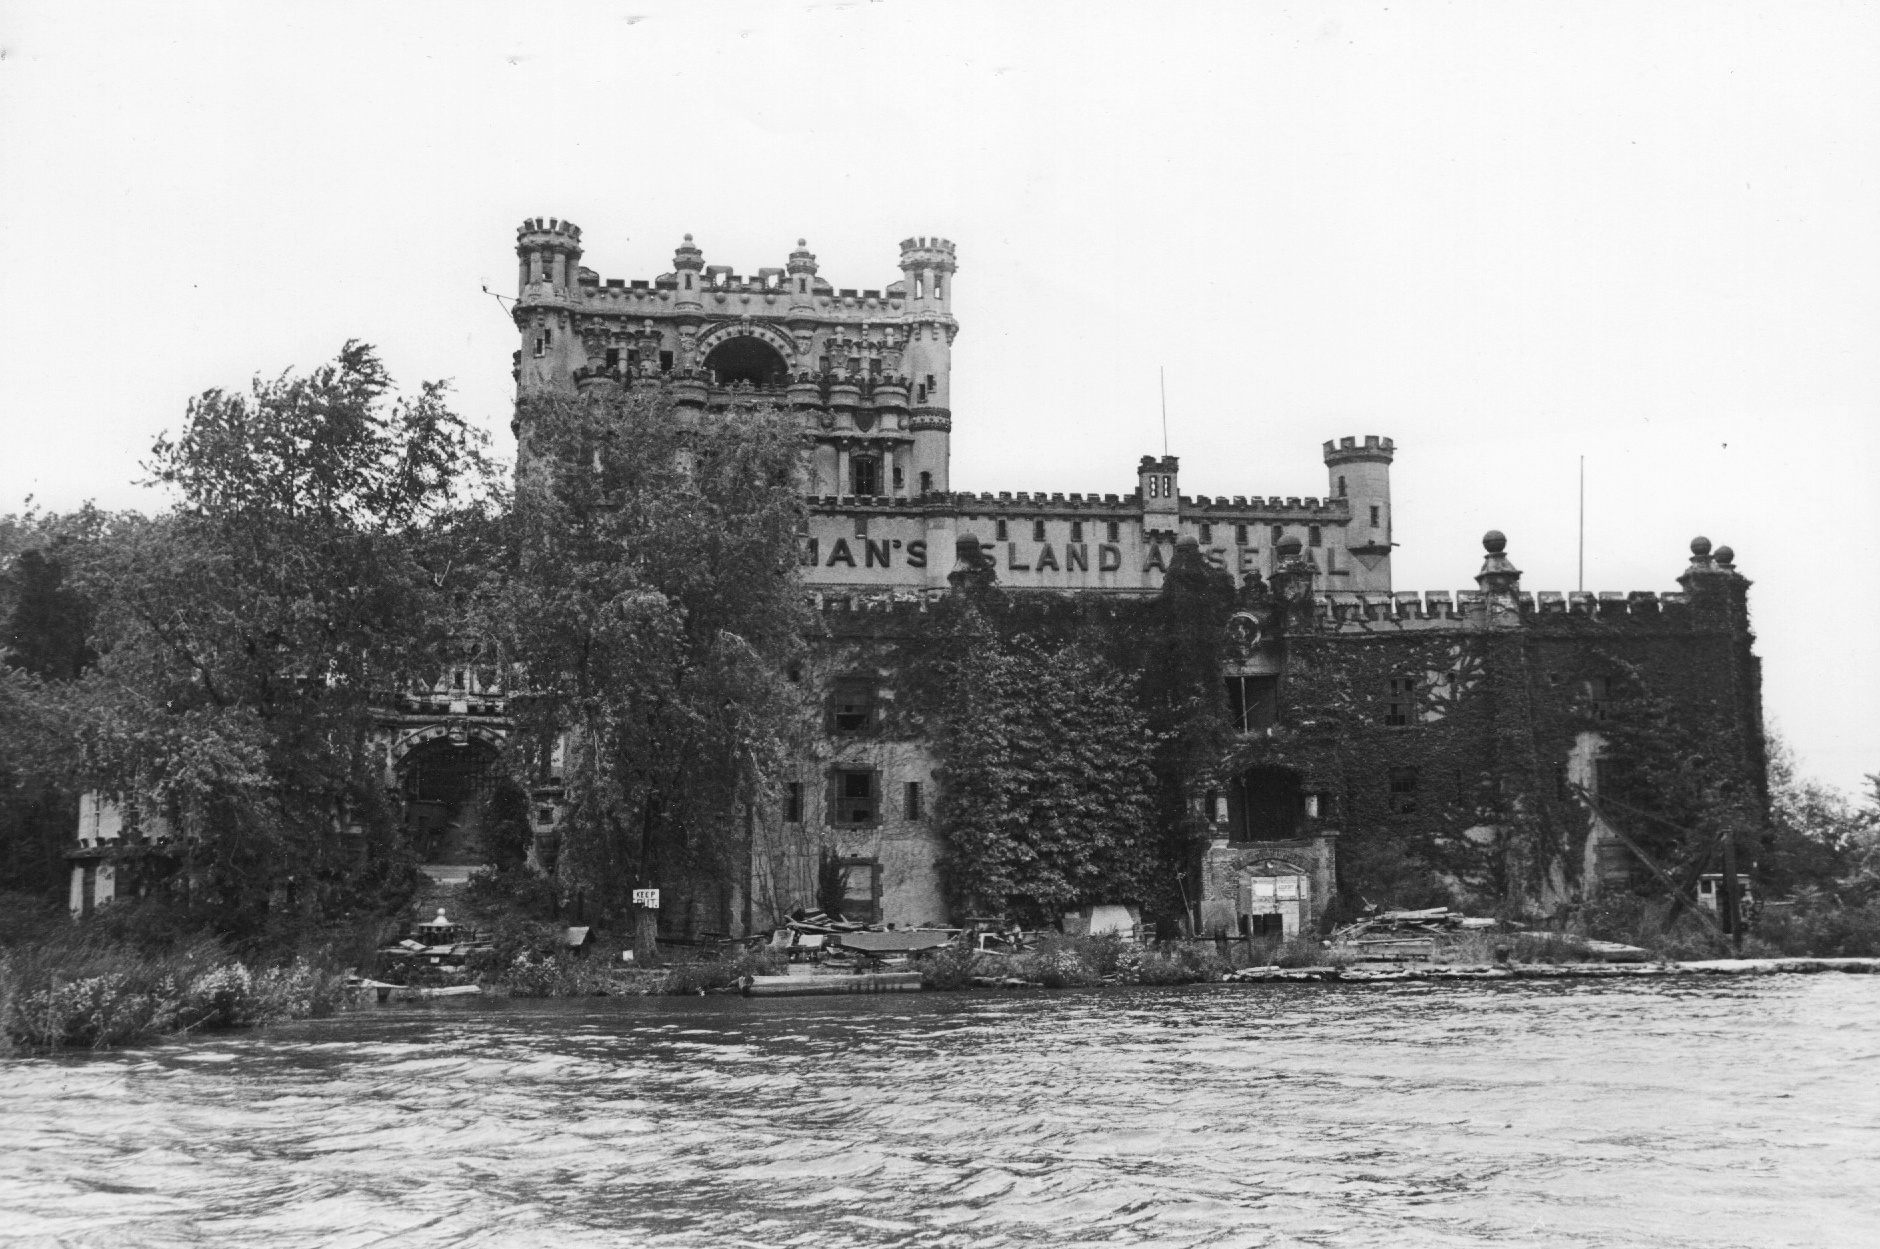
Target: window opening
(1279, 531)
(1240, 535)
(999, 528)
(1401, 709)
(1312, 535)
(1403, 791)
(854, 705)
(926, 482)
(613, 358)
(1207, 535)
(1341, 487)
(911, 800)
(665, 362)
(1113, 530)
(793, 802)
(865, 475)
(1077, 531)
(897, 477)
(688, 281)
(1252, 703)
(1037, 531)
(855, 797)
(936, 286)
(1375, 512)
(1599, 697)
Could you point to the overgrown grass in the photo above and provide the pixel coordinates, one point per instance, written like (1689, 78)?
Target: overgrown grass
(1059, 962)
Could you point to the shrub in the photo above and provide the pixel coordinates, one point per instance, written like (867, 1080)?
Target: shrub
(699, 975)
(950, 967)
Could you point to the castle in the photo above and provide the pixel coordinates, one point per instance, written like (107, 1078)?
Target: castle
(1367, 719)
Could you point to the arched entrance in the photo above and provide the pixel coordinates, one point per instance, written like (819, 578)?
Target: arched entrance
(443, 782)
(1267, 804)
(746, 359)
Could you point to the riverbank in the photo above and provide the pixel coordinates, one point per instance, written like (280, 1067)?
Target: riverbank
(1557, 971)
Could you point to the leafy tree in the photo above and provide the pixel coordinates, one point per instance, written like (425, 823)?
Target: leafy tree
(246, 633)
(654, 606)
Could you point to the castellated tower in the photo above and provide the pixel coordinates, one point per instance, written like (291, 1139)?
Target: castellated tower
(865, 371)
(1360, 476)
(927, 281)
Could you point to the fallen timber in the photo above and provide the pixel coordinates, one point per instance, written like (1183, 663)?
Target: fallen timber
(1557, 971)
(808, 986)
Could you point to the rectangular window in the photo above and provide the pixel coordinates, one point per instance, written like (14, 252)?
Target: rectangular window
(1207, 535)
(1240, 535)
(1077, 531)
(1599, 697)
(793, 802)
(613, 358)
(853, 798)
(936, 286)
(854, 705)
(1401, 709)
(865, 475)
(910, 802)
(898, 480)
(1112, 531)
(1374, 515)
(665, 362)
(999, 525)
(861, 890)
(1252, 703)
(541, 345)
(1312, 535)
(926, 482)
(1403, 791)
(802, 286)
(930, 385)
(1341, 487)
(1279, 531)
(1037, 531)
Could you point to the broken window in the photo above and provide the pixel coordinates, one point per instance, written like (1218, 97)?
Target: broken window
(853, 800)
(1403, 791)
(854, 706)
(793, 802)
(1252, 703)
(911, 801)
(1401, 709)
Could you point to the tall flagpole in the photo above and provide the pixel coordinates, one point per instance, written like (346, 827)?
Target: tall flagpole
(1161, 375)
(1582, 523)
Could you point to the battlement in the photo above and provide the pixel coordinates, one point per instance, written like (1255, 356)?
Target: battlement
(936, 245)
(1347, 450)
(1406, 607)
(1250, 509)
(566, 232)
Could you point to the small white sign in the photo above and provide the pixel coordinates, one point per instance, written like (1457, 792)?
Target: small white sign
(648, 898)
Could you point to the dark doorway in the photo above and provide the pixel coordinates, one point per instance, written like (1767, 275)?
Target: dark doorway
(443, 783)
(1272, 804)
(746, 360)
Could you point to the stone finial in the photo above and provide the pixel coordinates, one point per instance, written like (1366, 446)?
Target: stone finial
(1289, 547)
(1498, 575)
(972, 568)
(1726, 559)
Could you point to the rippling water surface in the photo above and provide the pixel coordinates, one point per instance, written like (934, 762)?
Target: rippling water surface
(1661, 1113)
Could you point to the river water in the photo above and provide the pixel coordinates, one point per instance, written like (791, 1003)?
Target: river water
(1651, 1112)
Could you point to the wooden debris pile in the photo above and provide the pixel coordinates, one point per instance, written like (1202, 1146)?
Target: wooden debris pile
(1404, 936)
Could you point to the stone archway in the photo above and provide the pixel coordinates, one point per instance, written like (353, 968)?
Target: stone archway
(443, 780)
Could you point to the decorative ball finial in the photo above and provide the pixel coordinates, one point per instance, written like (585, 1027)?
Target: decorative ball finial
(688, 238)
(1700, 546)
(1726, 558)
(1494, 542)
(1289, 546)
(802, 242)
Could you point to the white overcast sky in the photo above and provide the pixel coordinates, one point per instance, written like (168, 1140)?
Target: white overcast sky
(1507, 235)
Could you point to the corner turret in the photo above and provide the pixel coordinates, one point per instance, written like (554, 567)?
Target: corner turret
(1360, 475)
(927, 266)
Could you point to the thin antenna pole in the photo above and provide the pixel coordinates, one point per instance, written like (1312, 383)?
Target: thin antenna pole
(1582, 523)
(1161, 374)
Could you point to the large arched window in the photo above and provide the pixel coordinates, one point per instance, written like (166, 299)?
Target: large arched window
(746, 359)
